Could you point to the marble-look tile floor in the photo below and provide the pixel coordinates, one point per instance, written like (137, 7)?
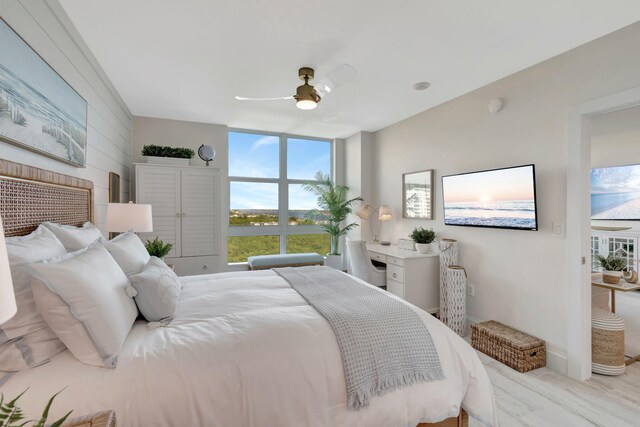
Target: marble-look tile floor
(543, 398)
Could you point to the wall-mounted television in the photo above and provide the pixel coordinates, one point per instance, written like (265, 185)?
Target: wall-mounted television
(497, 198)
(615, 193)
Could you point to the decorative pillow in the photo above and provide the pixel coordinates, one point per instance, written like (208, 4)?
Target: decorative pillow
(75, 238)
(158, 290)
(129, 252)
(82, 296)
(26, 340)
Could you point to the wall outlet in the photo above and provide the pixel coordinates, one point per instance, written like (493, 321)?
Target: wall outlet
(471, 290)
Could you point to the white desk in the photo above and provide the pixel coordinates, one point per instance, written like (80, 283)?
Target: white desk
(412, 276)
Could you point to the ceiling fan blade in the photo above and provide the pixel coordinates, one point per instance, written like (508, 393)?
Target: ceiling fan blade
(244, 98)
(337, 77)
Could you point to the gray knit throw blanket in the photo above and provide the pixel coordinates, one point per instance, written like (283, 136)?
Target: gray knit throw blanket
(384, 344)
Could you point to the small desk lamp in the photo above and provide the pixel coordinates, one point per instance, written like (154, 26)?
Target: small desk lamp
(385, 213)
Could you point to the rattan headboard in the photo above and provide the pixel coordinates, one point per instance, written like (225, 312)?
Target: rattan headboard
(30, 196)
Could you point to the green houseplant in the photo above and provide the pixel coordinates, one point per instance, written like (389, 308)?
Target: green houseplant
(164, 151)
(332, 211)
(612, 267)
(167, 155)
(158, 248)
(11, 414)
(423, 239)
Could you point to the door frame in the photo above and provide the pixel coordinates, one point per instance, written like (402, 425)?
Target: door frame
(577, 252)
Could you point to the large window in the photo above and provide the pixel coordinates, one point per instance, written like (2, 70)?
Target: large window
(267, 204)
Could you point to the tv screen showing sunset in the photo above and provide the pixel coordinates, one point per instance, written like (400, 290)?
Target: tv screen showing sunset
(500, 198)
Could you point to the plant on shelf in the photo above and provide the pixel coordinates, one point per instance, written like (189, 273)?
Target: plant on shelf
(163, 151)
(332, 211)
(612, 267)
(423, 239)
(11, 414)
(158, 248)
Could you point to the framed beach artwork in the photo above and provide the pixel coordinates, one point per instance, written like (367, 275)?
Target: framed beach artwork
(39, 111)
(615, 193)
(417, 194)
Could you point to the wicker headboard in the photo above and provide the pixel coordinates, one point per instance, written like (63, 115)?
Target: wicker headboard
(30, 196)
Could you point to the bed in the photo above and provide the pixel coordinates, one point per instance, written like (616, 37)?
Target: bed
(244, 349)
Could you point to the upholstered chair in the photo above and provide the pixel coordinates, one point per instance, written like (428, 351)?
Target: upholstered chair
(360, 264)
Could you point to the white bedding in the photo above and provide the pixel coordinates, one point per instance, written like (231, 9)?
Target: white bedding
(245, 349)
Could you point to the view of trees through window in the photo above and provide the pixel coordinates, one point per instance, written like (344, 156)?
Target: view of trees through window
(268, 205)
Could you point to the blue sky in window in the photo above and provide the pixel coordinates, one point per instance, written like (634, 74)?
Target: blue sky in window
(257, 156)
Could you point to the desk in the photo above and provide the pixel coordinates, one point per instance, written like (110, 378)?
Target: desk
(412, 276)
(623, 287)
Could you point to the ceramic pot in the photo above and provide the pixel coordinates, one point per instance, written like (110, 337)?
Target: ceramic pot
(333, 261)
(611, 277)
(630, 277)
(423, 248)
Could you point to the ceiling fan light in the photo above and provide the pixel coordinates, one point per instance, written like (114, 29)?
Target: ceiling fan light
(306, 104)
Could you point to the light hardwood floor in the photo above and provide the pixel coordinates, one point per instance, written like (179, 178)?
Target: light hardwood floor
(543, 398)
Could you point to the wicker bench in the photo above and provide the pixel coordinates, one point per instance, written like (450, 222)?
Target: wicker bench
(265, 262)
(510, 346)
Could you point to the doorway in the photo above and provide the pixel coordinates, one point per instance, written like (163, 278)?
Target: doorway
(578, 243)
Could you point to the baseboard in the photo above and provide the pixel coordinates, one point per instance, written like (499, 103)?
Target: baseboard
(556, 359)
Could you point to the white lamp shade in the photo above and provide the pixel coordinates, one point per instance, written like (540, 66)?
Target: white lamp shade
(385, 213)
(364, 212)
(122, 217)
(7, 298)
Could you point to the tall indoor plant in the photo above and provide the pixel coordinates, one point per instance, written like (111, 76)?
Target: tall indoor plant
(332, 211)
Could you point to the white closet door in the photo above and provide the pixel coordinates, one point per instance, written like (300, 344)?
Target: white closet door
(199, 212)
(160, 187)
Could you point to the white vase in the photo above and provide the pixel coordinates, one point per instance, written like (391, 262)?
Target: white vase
(333, 261)
(423, 248)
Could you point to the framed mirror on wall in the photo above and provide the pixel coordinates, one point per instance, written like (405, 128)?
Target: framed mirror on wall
(417, 194)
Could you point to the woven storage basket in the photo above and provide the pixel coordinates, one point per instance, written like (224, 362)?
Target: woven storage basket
(607, 343)
(510, 346)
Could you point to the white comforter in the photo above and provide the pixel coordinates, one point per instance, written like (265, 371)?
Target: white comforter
(245, 349)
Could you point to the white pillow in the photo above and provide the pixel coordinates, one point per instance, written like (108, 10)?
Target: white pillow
(82, 296)
(75, 238)
(158, 290)
(129, 252)
(26, 334)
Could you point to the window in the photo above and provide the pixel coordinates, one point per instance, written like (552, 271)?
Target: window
(268, 205)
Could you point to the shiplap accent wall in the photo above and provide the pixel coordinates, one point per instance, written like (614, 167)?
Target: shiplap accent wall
(44, 25)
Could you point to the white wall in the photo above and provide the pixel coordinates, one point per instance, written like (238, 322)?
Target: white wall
(519, 275)
(176, 133)
(48, 31)
(360, 175)
(615, 141)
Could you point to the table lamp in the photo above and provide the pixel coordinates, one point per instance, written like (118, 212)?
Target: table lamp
(7, 298)
(122, 217)
(385, 213)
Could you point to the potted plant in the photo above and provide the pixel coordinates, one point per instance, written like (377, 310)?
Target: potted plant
(167, 155)
(158, 248)
(423, 239)
(11, 414)
(612, 267)
(333, 208)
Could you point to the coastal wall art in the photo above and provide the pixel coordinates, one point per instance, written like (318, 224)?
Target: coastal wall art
(39, 111)
(615, 193)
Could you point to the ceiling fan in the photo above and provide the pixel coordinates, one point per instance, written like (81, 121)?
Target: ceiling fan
(308, 96)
